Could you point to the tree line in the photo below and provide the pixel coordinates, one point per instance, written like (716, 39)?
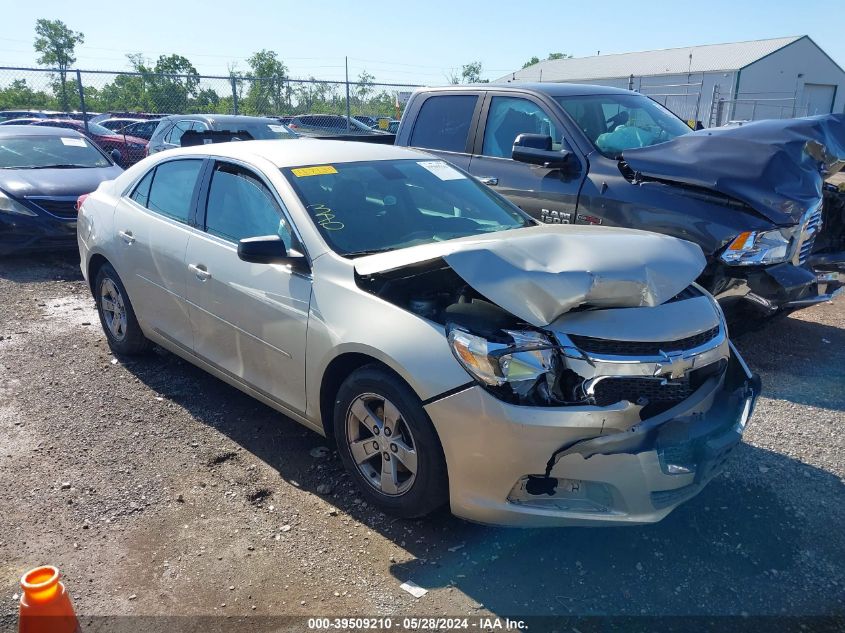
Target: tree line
(171, 84)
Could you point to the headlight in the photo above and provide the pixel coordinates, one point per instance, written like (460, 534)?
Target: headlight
(10, 205)
(519, 363)
(768, 247)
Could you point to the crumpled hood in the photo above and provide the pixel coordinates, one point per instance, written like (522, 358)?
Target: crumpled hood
(541, 272)
(773, 166)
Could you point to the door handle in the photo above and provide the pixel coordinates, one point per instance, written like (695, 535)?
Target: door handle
(126, 236)
(200, 271)
(489, 180)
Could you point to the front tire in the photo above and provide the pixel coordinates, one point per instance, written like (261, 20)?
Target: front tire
(388, 444)
(117, 315)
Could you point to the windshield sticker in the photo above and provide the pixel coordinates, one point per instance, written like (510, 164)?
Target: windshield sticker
(319, 170)
(325, 217)
(441, 170)
(73, 142)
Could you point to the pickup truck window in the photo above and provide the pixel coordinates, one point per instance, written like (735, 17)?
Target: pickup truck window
(508, 118)
(443, 122)
(616, 122)
(365, 207)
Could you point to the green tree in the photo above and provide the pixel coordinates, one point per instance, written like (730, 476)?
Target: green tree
(19, 95)
(364, 87)
(531, 62)
(56, 44)
(471, 73)
(268, 91)
(169, 84)
(558, 56)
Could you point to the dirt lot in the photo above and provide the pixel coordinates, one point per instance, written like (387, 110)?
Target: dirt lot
(159, 490)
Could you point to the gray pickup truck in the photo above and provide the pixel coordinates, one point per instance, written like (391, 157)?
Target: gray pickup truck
(750, 196)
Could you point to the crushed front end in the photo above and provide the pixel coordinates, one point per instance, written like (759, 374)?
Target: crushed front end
(603, 417)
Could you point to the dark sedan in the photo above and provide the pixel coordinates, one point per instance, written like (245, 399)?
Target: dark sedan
(130, 148)
(43, 171)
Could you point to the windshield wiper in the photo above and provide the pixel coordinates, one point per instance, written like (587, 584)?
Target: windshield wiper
(60, 166)
(371, 251)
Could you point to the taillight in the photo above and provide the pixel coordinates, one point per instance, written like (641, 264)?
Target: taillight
(80, 200)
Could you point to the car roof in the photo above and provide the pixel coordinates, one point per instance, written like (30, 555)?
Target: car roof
(36, 130)
(548, 88)
(221, 118)
(303, 151)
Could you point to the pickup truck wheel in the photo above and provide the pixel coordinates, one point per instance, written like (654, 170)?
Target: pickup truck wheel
(117, 315)
(388, 444)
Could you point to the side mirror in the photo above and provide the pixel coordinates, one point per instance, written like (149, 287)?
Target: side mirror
(536, 149)
(270, 249)
(116, 156)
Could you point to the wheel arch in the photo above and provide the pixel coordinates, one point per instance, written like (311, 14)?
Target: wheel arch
(95, 263)
(338, 370)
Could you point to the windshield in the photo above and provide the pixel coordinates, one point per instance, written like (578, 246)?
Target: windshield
(366, 207)
(41, 152)
(616, 122)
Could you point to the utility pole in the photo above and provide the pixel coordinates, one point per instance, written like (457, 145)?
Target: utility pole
(348, 110)
(82, 99)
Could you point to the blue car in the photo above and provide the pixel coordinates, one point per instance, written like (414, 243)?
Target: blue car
(43, 171)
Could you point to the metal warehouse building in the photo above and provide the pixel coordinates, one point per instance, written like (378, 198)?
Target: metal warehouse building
(761, 79)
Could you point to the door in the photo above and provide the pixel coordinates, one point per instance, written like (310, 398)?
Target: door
(445, 125)
(249, 320)
(152, 225)
(550, 195)
(818, 98)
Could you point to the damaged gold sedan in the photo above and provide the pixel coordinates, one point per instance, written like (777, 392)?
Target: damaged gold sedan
(456, 350)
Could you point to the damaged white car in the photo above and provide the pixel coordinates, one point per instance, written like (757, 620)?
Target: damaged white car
(456, 350)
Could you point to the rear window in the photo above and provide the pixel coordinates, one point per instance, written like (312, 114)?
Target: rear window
(443, 122)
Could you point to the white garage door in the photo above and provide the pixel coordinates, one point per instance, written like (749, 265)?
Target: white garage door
(818, 98)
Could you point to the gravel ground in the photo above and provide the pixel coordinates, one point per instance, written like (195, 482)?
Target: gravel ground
(159, 490)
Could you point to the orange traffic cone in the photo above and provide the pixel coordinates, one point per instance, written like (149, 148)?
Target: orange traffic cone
(45, 604)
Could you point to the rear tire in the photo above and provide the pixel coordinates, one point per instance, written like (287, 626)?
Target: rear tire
(388, 444)
(117, 315)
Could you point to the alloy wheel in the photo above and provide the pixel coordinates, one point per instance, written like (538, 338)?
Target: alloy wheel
(114, 309)
(381, 444)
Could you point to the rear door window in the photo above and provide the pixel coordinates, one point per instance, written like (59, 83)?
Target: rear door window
(444, 122)
(172, 188)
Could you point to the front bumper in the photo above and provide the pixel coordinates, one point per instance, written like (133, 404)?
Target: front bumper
(536, 466)
(42, 232)
(770, 289)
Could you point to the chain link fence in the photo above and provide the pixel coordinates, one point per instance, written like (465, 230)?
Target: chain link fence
(95, 91)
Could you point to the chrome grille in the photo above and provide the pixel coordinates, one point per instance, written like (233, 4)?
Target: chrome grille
(810, 228)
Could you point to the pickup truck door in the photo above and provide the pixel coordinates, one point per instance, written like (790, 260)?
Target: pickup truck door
(550, 195)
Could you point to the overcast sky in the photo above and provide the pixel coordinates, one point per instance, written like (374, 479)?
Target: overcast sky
(407, 42)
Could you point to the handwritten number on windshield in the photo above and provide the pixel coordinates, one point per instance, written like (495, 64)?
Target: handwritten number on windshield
(325, 217)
